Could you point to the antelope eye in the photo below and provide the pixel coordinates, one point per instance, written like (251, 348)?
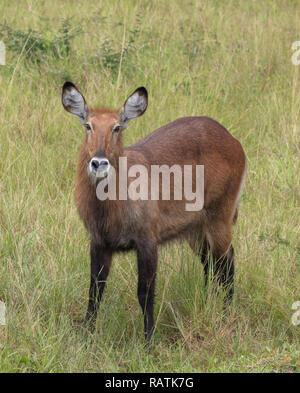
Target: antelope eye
(116, 128)
(88, 127)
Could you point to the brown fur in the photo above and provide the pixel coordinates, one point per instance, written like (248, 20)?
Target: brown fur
(184, 141)
(142, 225)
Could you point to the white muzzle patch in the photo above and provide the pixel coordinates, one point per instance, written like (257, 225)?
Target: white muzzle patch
(98, 168)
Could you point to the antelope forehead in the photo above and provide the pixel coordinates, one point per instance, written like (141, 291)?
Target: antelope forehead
(104, 121)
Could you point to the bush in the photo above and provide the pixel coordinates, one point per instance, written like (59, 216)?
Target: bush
(34, 47)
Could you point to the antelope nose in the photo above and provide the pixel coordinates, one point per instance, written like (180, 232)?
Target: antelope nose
(96, 163)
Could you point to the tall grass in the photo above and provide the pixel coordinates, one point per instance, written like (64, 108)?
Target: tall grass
(230, 60)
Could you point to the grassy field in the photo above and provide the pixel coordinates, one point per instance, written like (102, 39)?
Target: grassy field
(230, 60)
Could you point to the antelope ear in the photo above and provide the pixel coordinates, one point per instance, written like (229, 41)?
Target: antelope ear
(74, 102)
(134, 106)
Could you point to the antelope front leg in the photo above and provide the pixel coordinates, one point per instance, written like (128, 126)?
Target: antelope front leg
(147, 266)
(100, 265)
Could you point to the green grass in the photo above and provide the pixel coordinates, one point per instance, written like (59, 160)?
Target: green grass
(230, 60)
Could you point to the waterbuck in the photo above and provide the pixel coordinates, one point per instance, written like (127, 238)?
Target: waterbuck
(123, 224)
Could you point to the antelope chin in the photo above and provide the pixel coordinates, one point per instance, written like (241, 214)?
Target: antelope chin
(101, 174)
